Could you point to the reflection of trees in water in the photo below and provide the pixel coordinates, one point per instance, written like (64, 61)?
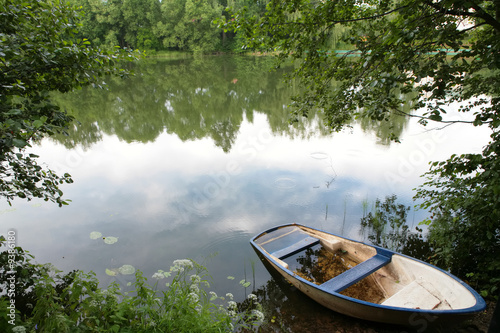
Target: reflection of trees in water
(387, 131)
(192, 98)
(387, 227)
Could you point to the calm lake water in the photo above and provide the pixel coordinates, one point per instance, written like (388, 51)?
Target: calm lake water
(190, 158)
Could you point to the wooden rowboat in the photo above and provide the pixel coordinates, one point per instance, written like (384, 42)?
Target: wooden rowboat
(377, 284)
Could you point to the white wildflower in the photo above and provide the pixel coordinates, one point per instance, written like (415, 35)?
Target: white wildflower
(194, 288)
(252, 297)
(230, 296)
(177, 269)
(213, 296)
(158, 275)
(231, 305)
(259, 316)
(195, 278)
(193, 298)
(183, 263)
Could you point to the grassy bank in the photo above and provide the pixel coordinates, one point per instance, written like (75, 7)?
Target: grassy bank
(39, 298)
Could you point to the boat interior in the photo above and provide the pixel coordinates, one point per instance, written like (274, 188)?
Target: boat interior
(389, 278)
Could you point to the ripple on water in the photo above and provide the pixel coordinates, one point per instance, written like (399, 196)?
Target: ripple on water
(284, 183)
(319, 155)
(225, 237)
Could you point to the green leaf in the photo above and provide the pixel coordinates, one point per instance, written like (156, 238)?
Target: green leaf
(19, 143)
(37, 123)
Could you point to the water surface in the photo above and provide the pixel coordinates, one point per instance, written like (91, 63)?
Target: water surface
(191, 158)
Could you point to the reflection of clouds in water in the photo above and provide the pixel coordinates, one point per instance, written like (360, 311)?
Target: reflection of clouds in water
(328, 161)
(171, 199)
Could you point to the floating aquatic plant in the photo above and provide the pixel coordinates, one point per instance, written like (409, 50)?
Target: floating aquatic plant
(107, 240)
(127, 269)
(245, 283)
(95, 235)
(124, 270)
(110, 239)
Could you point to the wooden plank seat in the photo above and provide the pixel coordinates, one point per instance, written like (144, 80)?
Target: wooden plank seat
(301, 245)
(356, 274)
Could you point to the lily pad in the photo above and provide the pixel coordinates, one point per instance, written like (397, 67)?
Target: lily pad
(95, 235)
(110, 240)
(111, 272)
(127, 269)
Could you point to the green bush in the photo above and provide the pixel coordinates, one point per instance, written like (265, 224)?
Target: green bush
(74, 302)
(463, 195)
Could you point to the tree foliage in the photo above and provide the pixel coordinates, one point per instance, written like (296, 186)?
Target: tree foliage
(38, 54)
(413, 59)
(187, 25)
(127, 23)
(463, 194)
(440, 52)
(155, 25)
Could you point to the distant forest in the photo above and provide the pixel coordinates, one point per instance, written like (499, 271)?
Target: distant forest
(165, 25)
(156, 25)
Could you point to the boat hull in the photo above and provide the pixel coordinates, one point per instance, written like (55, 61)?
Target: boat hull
(371, 311)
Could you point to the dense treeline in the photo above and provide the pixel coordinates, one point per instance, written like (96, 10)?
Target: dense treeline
(155, 25)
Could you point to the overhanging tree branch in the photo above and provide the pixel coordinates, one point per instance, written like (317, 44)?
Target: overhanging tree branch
(449, 122)
(477, 13)
(367, 18)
